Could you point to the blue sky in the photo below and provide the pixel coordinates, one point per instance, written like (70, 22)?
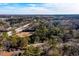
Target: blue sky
(39, 8)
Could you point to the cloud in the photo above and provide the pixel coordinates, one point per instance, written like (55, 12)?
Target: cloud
(39, 8)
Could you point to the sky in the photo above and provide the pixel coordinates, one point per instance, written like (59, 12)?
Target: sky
(39, 8)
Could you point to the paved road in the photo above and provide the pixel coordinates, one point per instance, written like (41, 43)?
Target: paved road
(20, 29)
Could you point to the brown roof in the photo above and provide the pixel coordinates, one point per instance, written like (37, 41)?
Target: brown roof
(3, 53)
(24, 34)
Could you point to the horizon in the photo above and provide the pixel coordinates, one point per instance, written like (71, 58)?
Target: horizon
(38, 14)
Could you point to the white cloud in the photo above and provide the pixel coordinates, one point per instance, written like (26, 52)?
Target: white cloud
(39, 1)
(56, 8)
(68, 8)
